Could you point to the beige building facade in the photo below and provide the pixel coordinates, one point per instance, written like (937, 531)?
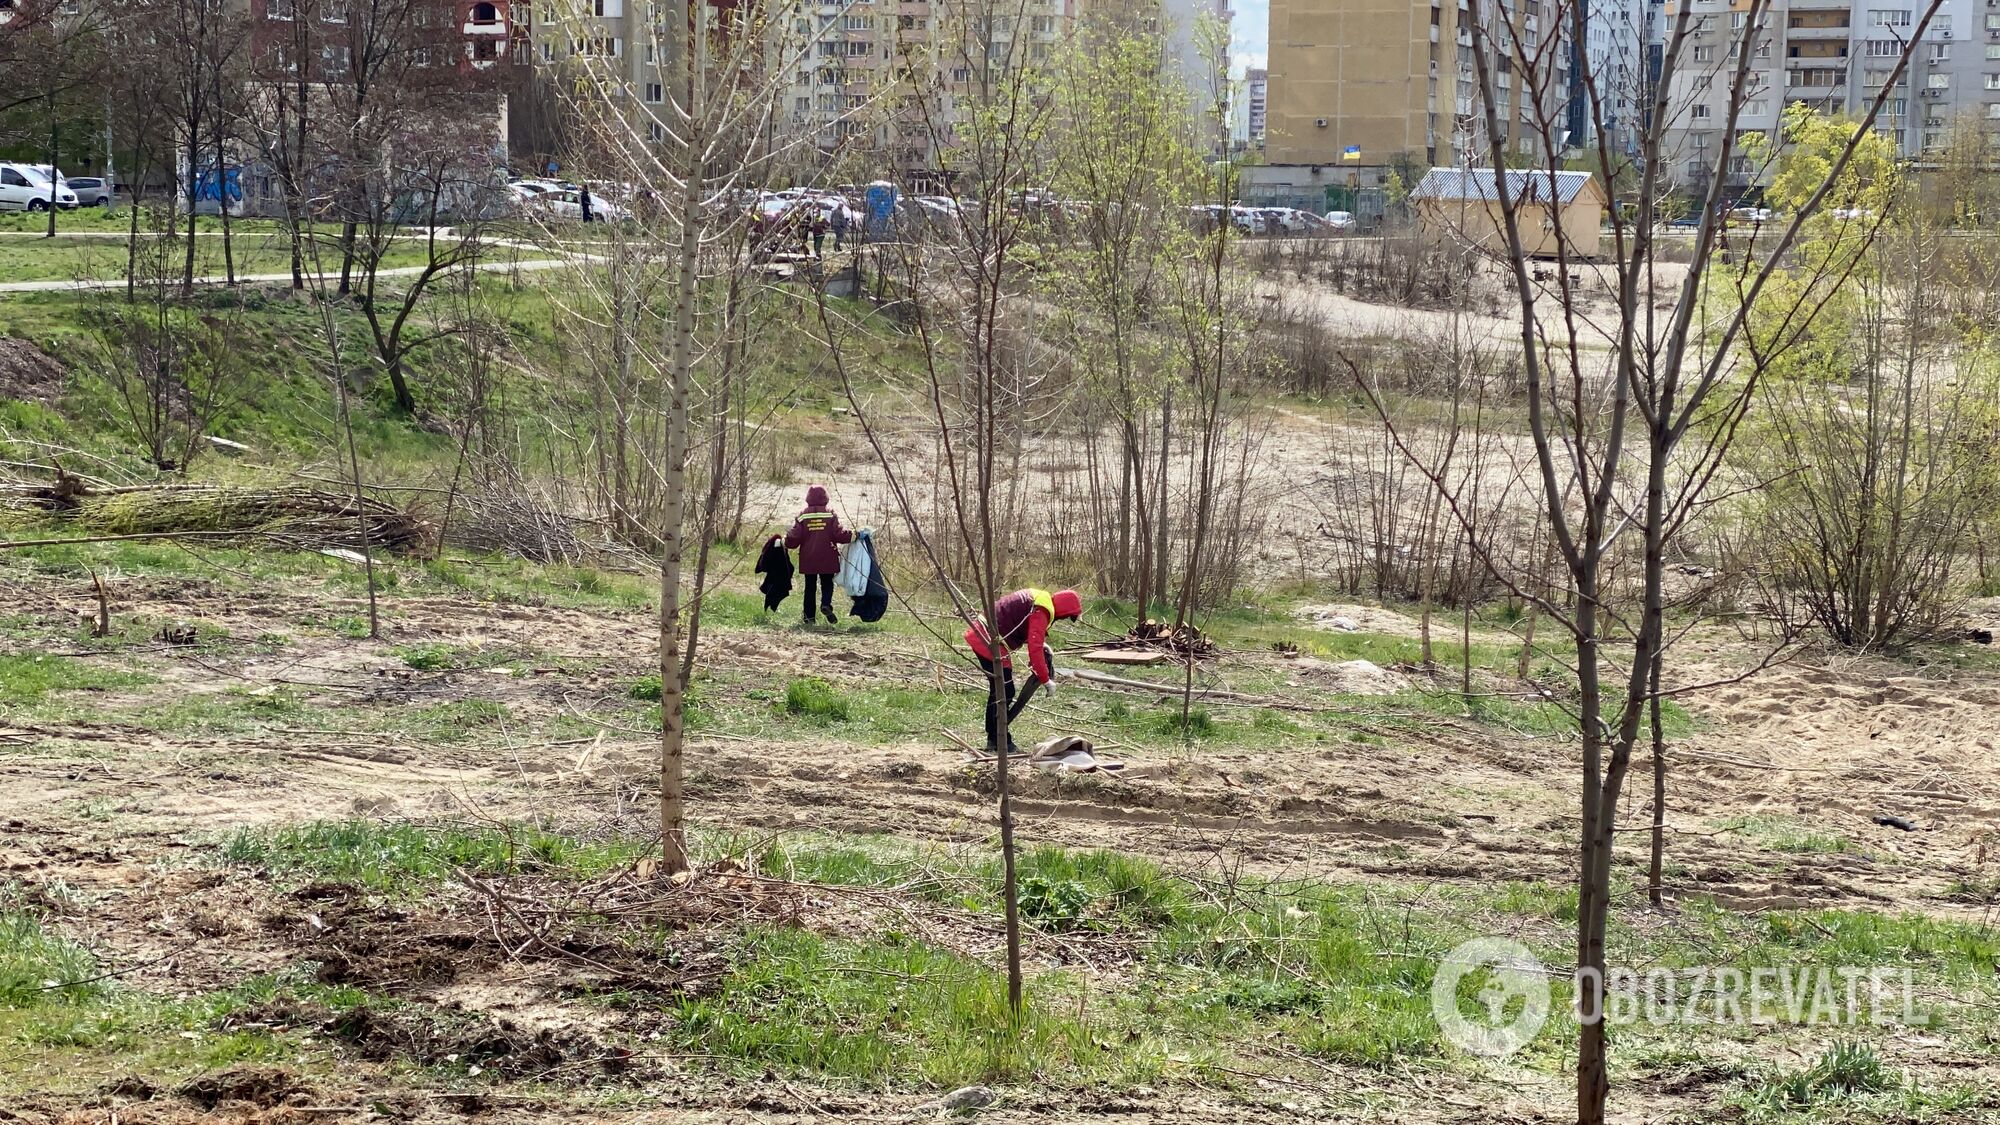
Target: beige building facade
(1358, 88)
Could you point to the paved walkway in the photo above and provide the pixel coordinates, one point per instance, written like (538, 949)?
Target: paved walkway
(80, 284)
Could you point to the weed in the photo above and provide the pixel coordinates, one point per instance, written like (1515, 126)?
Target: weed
(1054, 904)
(410, 857)
(1847, 1068)
(815, 700)
(36, 966)
(26, 678)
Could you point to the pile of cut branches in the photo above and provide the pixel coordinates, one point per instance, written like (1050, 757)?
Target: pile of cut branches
(304, 518)
(1184, 641)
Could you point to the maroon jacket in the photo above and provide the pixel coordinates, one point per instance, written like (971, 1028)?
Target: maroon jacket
(817, 535)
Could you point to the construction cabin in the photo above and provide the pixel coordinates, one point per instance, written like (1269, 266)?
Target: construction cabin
(1553, 209)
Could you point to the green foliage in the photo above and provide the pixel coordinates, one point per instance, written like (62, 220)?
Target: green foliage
(410, 858)
(882, 1012)
(1054, 904)
(26, 678)
(815, 700)
(37, 967)
(1845, 1069)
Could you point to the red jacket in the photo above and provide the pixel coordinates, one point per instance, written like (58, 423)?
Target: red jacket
(817, 535)
(1022, 620)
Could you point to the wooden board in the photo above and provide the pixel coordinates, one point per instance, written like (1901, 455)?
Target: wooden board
(1127, 656)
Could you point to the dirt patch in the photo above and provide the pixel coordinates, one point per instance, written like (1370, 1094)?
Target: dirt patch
(1348, 677)
(28, 373)
(263, 1086)
(1341, 617)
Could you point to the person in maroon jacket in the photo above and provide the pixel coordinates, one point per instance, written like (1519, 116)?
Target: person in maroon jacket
(1020, 621)
(817, 536)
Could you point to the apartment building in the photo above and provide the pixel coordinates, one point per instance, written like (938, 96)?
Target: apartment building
(881, 83)
(1358, 88)
(1257, 93)
(1247, 111)
(1836, 57)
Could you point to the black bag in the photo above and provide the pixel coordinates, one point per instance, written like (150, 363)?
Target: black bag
(873, 604)
(775, 564)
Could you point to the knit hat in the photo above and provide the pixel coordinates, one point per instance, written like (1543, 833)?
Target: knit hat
(816, 496)
(1068, 605)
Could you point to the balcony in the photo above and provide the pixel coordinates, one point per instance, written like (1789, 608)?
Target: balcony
(1841, 32)
(1817, 62)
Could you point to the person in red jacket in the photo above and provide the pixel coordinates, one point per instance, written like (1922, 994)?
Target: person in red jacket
(817, 536)
(1020, 621)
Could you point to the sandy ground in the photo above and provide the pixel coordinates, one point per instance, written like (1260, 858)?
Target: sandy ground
(1827, 745)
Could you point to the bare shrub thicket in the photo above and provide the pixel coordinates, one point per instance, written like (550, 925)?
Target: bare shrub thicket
(173, 362)
(1879, 452)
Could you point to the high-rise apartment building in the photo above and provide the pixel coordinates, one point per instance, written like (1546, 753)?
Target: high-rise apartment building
(1837, 57)
(1257, 93)
(1360, 87)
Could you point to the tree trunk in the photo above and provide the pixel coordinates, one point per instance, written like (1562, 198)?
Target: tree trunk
(673, 829)
(1654, 891)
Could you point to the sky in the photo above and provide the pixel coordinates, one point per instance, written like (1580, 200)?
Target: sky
(1249, 34)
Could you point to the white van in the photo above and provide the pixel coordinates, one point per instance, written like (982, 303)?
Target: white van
(23, 187)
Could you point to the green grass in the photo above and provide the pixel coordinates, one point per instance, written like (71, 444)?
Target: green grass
(258, 249)
(815, 701)
(27, 679)
(1211, 971)
(1786, 834)
(409, 858)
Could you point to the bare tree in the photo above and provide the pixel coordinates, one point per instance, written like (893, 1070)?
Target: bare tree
(1632, 413)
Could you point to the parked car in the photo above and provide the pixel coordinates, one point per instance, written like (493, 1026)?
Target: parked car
(24, 188)
(1755, 216)
(92, 191)
(1340, 220)
(567, 204)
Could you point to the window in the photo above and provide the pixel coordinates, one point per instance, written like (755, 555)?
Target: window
(655, 93)
(333, 60)
(859, 23)
(1993, 110)
(802, 105)
(1896, 107)
(1993, 81)
(1042, 24)
(548, 52)
(1704, 54)
(1940, 52)
(1875, 78)
(334, 11)
(1699, 112)
(961, 74)
(485, 13)
(278, 10)
(1763, 49)
(1884, 48)
(607, 9)
(1992, 21)
(652, 50)
(420, 56)
(1993, 50)
(486, 50)
(656, 132)
(11, 178)
(1889, 17)
(1756, 107)
(1937, 81)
